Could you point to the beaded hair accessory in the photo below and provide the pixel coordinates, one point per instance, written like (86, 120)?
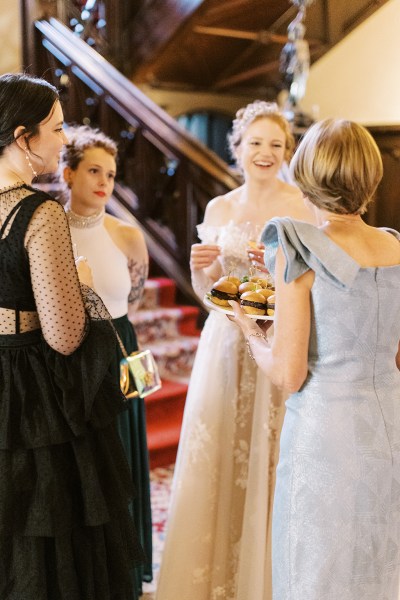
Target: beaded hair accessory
(252, 111)
(245, 116)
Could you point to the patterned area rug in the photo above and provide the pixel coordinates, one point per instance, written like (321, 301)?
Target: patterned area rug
(160, 483)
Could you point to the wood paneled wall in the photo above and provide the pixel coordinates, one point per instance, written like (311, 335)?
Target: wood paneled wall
(385, 210)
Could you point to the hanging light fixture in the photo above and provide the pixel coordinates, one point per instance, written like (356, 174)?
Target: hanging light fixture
(295, 56)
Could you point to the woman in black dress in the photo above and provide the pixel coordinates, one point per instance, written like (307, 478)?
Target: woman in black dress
(65, 488)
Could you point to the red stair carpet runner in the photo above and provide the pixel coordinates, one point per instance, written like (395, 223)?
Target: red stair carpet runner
(170, 331)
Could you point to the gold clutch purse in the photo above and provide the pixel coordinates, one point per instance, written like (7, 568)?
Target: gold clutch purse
(139, 374)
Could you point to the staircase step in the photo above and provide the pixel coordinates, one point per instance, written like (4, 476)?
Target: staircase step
(171, 332)
(188, 321)
(164, 411)
(152, 325)
(164, 323)
(158, 291)
(175, 357)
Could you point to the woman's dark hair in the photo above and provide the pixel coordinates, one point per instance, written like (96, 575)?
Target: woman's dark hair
(24, 101)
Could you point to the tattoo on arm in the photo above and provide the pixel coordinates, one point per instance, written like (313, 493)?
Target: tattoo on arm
(138, 272)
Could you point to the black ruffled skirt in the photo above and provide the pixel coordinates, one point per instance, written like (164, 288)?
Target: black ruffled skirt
(65, 528)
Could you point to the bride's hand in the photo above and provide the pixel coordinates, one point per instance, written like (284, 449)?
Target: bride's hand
(203, 256)
(256, 257)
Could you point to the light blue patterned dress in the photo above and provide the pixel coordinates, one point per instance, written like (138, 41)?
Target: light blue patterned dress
(336, 520)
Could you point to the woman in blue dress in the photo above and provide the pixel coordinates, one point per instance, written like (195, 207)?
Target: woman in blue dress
(336, 516)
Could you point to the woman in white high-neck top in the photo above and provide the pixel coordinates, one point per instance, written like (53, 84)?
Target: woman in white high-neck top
(117, 255)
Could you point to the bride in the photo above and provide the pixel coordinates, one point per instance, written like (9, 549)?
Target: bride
(218, 537)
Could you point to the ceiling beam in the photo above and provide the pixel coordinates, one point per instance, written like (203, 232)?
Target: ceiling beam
(263, 36)
(226, 9)
(284, 19)
(235, 65)
(257, 71)
(361, 15)
(333, 29)
(246, 75)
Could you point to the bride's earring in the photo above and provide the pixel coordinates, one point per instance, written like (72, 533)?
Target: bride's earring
(28, 160)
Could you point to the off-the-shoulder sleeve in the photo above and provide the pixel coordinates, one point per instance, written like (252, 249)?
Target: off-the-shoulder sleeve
(307, 247)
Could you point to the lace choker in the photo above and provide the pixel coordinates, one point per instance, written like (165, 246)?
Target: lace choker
(81, 222)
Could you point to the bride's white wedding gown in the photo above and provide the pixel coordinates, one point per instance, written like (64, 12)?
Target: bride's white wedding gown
(218, 539)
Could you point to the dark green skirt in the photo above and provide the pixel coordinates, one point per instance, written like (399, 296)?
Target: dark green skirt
(132, 430)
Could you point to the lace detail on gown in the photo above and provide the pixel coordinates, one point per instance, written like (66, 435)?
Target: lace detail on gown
(218, 539)
(233, 239)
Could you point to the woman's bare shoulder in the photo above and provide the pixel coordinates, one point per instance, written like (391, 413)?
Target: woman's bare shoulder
(289, 192)
(219, 210)
(128, 237)
(385, 240)
(124, 228)
(293, 204)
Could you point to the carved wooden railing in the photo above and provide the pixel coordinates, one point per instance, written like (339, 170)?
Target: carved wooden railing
(125, 32)
(165, 176)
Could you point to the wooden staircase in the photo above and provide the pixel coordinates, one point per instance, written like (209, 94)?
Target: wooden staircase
(171, 332)
(165, 176)
(165, 180)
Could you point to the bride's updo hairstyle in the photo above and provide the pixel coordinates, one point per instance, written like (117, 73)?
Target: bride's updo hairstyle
(338, 166)
(259, 109)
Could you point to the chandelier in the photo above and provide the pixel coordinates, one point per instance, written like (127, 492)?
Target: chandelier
(295, 56)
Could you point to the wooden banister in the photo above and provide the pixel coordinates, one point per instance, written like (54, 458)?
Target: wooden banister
(171, 175)
(129, 101)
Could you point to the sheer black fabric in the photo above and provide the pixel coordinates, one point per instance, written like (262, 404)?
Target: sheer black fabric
(37, 269)
(65, 487)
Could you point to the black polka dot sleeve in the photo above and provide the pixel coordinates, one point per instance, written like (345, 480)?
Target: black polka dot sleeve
(54, 278)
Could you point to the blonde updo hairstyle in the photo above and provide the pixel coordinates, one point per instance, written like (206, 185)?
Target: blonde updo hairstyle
(259, 109)
(338, 166)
